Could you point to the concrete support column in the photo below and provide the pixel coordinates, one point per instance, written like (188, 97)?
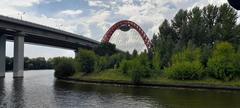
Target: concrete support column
(18, 63)
(2, 55)
(76, 52)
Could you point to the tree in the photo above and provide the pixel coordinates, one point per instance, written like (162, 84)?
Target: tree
(186, 65)
(156, 62)
(30, 63)
(197, 32)
(186, 70)
(135, 53)
(64, 68)
(165, 42)
(101, 63)
(180, 26)
(105, 49)
(224, 63)
(210, 14)
(9, 63)
(127, 55)
(154, 40)
(135, 68)
(188, 54)
(86, 60)
(199, 26)
(226, 23)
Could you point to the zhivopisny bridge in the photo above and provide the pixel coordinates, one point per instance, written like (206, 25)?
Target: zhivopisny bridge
(22, 31)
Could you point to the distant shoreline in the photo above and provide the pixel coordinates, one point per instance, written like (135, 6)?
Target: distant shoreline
(9, 71)
(168, 85)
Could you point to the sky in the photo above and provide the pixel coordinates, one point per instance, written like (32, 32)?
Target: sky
(92, 18)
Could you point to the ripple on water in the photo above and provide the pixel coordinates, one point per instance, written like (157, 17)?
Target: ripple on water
(39, 89)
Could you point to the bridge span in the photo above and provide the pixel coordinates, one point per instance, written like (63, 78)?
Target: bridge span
(20, 31)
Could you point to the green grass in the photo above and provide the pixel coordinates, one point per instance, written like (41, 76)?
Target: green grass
(115, 75)
(104, 75)
(206, 81)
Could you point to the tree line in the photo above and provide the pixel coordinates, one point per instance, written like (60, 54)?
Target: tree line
(205, 39)
(196, 44)
(31, 64)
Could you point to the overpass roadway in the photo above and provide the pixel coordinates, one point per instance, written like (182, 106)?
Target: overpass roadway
(20, 31)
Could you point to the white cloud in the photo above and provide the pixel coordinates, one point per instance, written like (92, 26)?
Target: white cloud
(20, 3)
(128, 41)
(150, 13)
(98, 3)
(217, 2)
(94, 2)
(11, 8)
(71, 13)
(103, 13)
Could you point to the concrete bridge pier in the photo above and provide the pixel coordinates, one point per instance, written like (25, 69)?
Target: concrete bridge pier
(2, 55)
(18, 61)
(76, 52)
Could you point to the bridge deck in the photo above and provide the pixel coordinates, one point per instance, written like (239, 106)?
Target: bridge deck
(39, 34)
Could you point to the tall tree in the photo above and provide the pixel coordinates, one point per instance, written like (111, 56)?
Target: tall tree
(226, 23)
(210, 14)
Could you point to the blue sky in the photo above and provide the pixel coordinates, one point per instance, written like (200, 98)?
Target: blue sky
(92, 18)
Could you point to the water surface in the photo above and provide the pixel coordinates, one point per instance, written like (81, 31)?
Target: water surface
(39, 89)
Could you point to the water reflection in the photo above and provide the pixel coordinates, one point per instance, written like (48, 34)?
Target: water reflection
(93, 95)
(39, 89)
(17, 95)
(2, 93)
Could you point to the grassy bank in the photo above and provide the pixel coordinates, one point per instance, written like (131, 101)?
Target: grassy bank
(116, 76)
(104, 75)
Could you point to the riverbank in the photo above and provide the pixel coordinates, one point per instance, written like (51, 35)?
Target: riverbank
(111, 77)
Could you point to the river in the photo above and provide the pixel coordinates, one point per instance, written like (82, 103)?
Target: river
(39, 89)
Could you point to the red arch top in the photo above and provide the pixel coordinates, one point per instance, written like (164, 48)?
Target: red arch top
(130, 24)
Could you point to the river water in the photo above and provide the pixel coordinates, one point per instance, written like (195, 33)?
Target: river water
(39, 89)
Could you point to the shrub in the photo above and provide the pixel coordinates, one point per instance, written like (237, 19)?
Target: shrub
(145, 62)
(138, 68)
(189, 54)
(86, 60)
(126, 66)
(136, 75)
(156, 62)
(108, 62)
(206, 52)
(132, 67)
(186, 65)
(64, 68)
(114, 61)
(224, 63)
(100, 64)
(186, 71)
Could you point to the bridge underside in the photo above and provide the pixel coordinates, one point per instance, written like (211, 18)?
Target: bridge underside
(19, 40)
(34, 39)
(21, 32)
(49, 42)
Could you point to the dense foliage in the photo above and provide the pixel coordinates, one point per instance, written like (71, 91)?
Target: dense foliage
(196, 44)
(64, 67)
(225, 62)
(186, 65)
(86, 61)
(31, 64)
(186, 71)
(200, 29)
(105, 49)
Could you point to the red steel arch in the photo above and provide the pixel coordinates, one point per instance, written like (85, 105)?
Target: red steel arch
(130, 24)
